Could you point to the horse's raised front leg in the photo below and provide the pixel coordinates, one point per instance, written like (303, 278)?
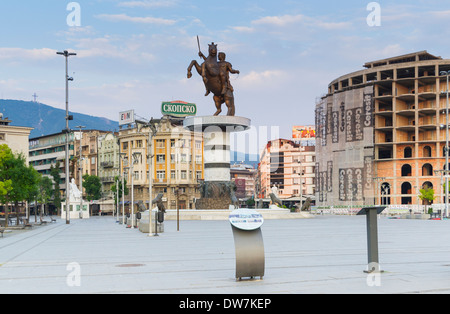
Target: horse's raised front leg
(198, 67)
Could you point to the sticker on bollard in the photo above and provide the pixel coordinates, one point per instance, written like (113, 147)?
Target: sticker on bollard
(246, 225)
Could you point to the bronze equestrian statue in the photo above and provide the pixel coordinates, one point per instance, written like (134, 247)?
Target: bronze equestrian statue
(216, 78)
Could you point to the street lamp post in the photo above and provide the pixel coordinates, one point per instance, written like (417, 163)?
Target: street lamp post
(151, 133)
(134, 161)
(122, 174)
(81, 172)
(301, 182)
(125, 172)
(67, 54)
(446, 73)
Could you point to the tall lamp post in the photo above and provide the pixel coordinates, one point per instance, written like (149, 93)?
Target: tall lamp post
(301, 181)
(125, 173)
(135, 160)
(67, 54)
(151, 133)
(81, 171)
(446, 73)
(122, 174)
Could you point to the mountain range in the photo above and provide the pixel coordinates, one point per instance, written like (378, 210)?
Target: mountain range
(46, 120)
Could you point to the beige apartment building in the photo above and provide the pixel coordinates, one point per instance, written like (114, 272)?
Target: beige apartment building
(381, 132)
(177, 163)
(16, 137)
(108, 162)
(290, 167)
(89, 152)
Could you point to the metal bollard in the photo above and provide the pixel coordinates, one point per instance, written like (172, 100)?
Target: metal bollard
(372, 237)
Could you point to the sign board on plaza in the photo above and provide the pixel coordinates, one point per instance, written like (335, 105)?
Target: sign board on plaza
(126, 117)
(246, 219)
(178, 109)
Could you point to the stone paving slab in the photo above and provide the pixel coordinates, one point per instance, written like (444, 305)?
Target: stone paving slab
(323, 255)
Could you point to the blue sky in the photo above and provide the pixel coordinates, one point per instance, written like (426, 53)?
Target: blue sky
(134, 54)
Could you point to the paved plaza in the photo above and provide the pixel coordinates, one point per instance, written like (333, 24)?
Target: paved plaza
(326, 254)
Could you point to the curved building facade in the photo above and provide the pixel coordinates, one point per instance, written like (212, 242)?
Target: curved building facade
(381, 133)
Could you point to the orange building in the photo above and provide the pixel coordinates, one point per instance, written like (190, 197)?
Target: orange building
(177, 163)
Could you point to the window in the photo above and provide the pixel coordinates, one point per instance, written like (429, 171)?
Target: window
(198, 159)
(173, 174)
(139, 143)
(172, 143)
(427, 151)
(183, 157)
(198, 144)
(407, 153)
(183, 174)
(124, 145)
(172, 158)
(161, 175)
(161, 158)
(199, 175)
(160, 143)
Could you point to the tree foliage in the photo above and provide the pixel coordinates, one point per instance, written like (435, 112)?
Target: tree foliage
(114, 188)
(18, 180)
(55, 172)
(427, 195)
(92, 186)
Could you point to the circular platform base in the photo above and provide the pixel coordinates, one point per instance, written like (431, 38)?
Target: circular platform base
(212, 123)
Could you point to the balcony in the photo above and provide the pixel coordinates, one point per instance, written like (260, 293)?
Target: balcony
(107, 164)
(107, 179)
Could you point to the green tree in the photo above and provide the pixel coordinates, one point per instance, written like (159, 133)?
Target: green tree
(33, 192)
(45, 192)
(427, 196)
(93, 187)
(55, 172)
(5, 184)
(22, 176)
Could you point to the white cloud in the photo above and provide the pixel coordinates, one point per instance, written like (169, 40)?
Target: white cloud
(255, 79)
(27, 54)
(147, 4)
(279, 20)
(141, 20)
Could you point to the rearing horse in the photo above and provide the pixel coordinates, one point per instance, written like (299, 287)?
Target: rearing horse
(211, 72)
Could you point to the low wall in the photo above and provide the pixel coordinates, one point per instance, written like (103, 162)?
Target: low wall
(224, 214)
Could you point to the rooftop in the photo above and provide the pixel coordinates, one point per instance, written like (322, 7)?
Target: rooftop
(411, 57)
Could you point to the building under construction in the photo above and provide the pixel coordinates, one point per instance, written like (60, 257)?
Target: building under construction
(381, 133)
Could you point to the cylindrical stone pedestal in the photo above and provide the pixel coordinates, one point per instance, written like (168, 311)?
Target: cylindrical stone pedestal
(216, 136)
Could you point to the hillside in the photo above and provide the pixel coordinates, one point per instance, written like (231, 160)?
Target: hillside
(49, 120)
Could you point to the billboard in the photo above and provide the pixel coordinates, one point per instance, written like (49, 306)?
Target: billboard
(126, 117)
(178, 109)
(303, 132)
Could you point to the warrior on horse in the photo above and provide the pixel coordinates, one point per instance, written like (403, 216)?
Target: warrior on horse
(216, 78)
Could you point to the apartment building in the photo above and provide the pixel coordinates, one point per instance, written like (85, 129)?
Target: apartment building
(244, 177)
(108, 162)
(45, 151)
(16, 137)
(177, 163)
(288, 166)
